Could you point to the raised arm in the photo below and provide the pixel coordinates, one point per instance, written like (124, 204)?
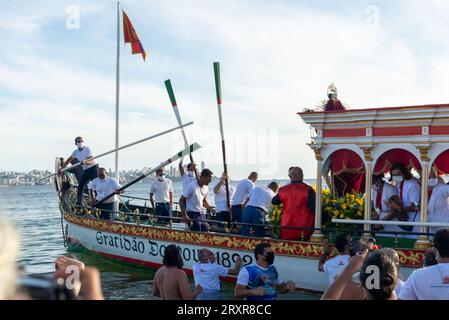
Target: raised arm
(67, 162)
(181, 168)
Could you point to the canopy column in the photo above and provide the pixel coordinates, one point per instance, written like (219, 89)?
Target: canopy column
(368, 183)
(317, 235)
(423, 241)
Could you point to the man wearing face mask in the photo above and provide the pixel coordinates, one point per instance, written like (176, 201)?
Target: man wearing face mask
(382, 192)
(207, 273)
(189, 176)
(104, 186)
(260, 280)
(409, 192)
(438, 208)
(162, 190)
(90, 166)
(431, 283)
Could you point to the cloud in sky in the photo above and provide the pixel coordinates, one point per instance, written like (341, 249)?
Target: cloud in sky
(277, 58)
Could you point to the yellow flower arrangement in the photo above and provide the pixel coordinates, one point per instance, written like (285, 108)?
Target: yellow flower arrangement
(348, 207)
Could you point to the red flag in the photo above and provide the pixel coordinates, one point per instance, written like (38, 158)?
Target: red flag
(131, 37)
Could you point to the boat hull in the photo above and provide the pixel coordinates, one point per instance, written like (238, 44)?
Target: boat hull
(144, 245)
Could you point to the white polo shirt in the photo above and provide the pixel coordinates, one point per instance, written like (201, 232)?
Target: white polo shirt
(430, 283)
(195, 196)
(335, 266)
(221, 202)
(161, 190)
(104, 187)
(186, 180)
(242, 192)
(82, 155)
(261, 197)
(208, 275)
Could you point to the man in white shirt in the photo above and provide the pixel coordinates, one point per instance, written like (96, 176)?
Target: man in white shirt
(207, 274)
(162, 191)
(90, 167)
(431, 283)
(221, 202)
(438, 207)
(410, 194)
(241, 195)
(334, 266)
(194, 200)
(103, 186)
(256, 209)
(189, 176)
(382, 192)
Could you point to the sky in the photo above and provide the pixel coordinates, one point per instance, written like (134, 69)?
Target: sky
(58, 60)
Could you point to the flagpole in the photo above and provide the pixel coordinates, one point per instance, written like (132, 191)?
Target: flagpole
(117, 98)
(171, 95)
(220, 119)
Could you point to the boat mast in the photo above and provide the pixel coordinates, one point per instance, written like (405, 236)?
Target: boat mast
(117, 96)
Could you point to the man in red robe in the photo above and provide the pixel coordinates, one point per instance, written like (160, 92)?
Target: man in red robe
(298, 201)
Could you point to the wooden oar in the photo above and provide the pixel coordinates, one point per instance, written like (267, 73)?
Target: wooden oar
(171, 94)
(124, 147)
(177, 156)
(220, 119)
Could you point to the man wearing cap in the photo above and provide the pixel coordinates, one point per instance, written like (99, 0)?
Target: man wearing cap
(194, 200)
(90, 166)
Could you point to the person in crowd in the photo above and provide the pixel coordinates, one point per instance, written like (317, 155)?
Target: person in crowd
(88, 286)
(90, 166)
(189, 176)
(431, 283)
(207, 273)
(170, 281)
(430, 258)
(388, 275)
(161, 191)
(257, 208)
(410, 193)
(9, 253)
(261, 280)
(103, 186)
(194, 200)
(334, 266)
(221, 202)
(395, 257)
(352, 290)
(298, 200)
(396, 212)
(438, 206)
(382, 192)
(241, 196)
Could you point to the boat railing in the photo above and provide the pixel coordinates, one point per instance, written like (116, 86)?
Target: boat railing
(394, 223)
(233, 228)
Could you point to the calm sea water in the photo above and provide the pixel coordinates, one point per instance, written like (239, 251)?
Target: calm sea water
(34, 209)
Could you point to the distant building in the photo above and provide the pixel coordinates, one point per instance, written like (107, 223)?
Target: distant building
(203, 165)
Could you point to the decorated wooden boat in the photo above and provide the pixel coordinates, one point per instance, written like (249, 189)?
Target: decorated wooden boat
(349, 146)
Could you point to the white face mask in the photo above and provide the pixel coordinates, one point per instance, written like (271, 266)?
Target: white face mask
(80, 145)
(432, 182)
(398, 179)
(190, 173)
(161, 178)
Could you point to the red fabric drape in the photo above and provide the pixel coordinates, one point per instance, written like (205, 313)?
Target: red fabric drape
(348, 171)
(442, 163)
(405, 157)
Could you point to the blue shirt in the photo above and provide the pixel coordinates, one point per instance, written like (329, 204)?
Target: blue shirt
(254, 276)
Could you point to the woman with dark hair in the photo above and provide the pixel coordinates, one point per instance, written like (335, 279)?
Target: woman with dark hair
(409, 193)
(378, 277)
(170, 281)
